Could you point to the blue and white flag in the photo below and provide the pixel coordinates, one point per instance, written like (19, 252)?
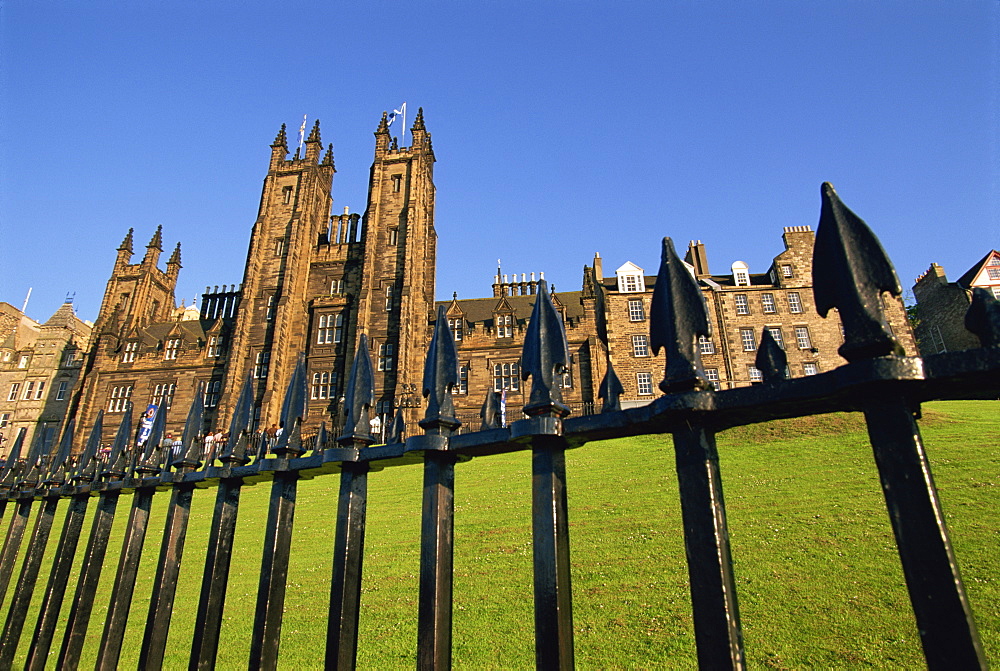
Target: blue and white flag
(401, 112)
(302, 131)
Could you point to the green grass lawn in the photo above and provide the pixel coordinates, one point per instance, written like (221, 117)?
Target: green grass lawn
(819, 582)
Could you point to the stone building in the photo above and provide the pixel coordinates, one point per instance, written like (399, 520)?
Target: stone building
(941, 305)
(315, 281)
(40, 367)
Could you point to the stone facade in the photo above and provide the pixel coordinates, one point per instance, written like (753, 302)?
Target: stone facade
(315, 281)
(941, 305)
(40, 367)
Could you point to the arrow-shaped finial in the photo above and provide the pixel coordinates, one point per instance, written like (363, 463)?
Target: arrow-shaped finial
(771, 361)
(611, 390)
(677, 317)
(359, 397)
(440, 377)
(490, 412)
(293, 412)
(851, 271)
(545, 356)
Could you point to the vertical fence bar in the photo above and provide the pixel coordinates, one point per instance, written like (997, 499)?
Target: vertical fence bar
(944, 618)
(437, 528)
(55, 591)
(706, 541)
(208, 625)
(161, 603)
(26, 581)
(349, 541)
(12, 543)
(278, 533)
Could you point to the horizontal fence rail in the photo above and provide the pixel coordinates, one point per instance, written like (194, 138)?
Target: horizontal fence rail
(851, 274)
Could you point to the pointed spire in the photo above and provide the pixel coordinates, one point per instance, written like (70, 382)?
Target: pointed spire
(851, 271)
(359, 398)
(677, 316)
(611, 390)
(157, 241)
(175, 258)
(328, 159)
(545, 356)
(441, 373)
(418, 123)
(126, 245)
(771, 361)
(383, 125)
(314, 133)
(395, 144)
(490, 412)
(983, 317)
(281, 140)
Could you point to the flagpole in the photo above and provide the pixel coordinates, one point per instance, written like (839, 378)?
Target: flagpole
(403, 136)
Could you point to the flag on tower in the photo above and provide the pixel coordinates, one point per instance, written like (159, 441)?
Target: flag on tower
(401, 112)
(302, 131)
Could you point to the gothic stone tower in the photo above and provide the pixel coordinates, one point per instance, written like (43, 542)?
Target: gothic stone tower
(311, 285)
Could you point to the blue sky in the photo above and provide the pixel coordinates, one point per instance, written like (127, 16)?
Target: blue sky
(561, 129)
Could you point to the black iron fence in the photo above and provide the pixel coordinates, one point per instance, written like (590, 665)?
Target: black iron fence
(851, 272)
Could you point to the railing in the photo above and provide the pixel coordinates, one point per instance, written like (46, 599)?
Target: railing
(851, 272)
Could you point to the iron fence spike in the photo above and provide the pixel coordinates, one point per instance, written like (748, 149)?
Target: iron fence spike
(441, 372)
(86, 467)
(396, 429)
(771, 360)
(983, 317)
(545, 356)
(13, 456)
(321, 438)
(850, 272)
(490, 412)
(611, 390)
(151, 458)
(360, 395)
(240, 424)
(678, 315)
(191, 439)
(293, 411)
(59, 465)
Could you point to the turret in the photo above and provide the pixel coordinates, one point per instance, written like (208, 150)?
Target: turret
(313, 144)
(154, 248)
(382, 135)
(279, 148)
(419, 132)
(124, 251)
(174, 265)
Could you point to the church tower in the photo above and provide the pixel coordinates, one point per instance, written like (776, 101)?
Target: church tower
(273, 318)
(396, 296)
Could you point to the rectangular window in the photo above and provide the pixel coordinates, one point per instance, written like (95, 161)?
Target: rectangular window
(994, 273)
(455, 326)
(279, 246)
(712, 374)
(119, 397)
(131, 348)
(394, 236)
(630, 284)
(14, 388)
(748, 340)
(23, 363)
(810, 368)
(330, 330)
(706, 345)
(776, 334)
(390, 294)
(385, 358)
(212, 392)
(802, 337)
(644, 382)
(170, 349)
(786, 270)
(463, 381)
(61, 391)
(29, 388)
(397, 183)
(996, 292)
(322, 386)
(742, 304)
(742, 278)
(216, 345)
(69, 358)
(39, 389)
(794, 302)
(286, 194)
(261, 364)
(336, 287)
(269, 312)
(4, 420)
(767, 304)
(505, 326)
(506, 376)
(640, 345)
(636, 313)
(755, 375)
(163, 394)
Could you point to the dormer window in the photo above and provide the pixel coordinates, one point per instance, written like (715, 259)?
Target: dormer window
(171, 348)
(455, 326)
(505, 326)
(741, 274)
(786, 270)
(630, 279)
